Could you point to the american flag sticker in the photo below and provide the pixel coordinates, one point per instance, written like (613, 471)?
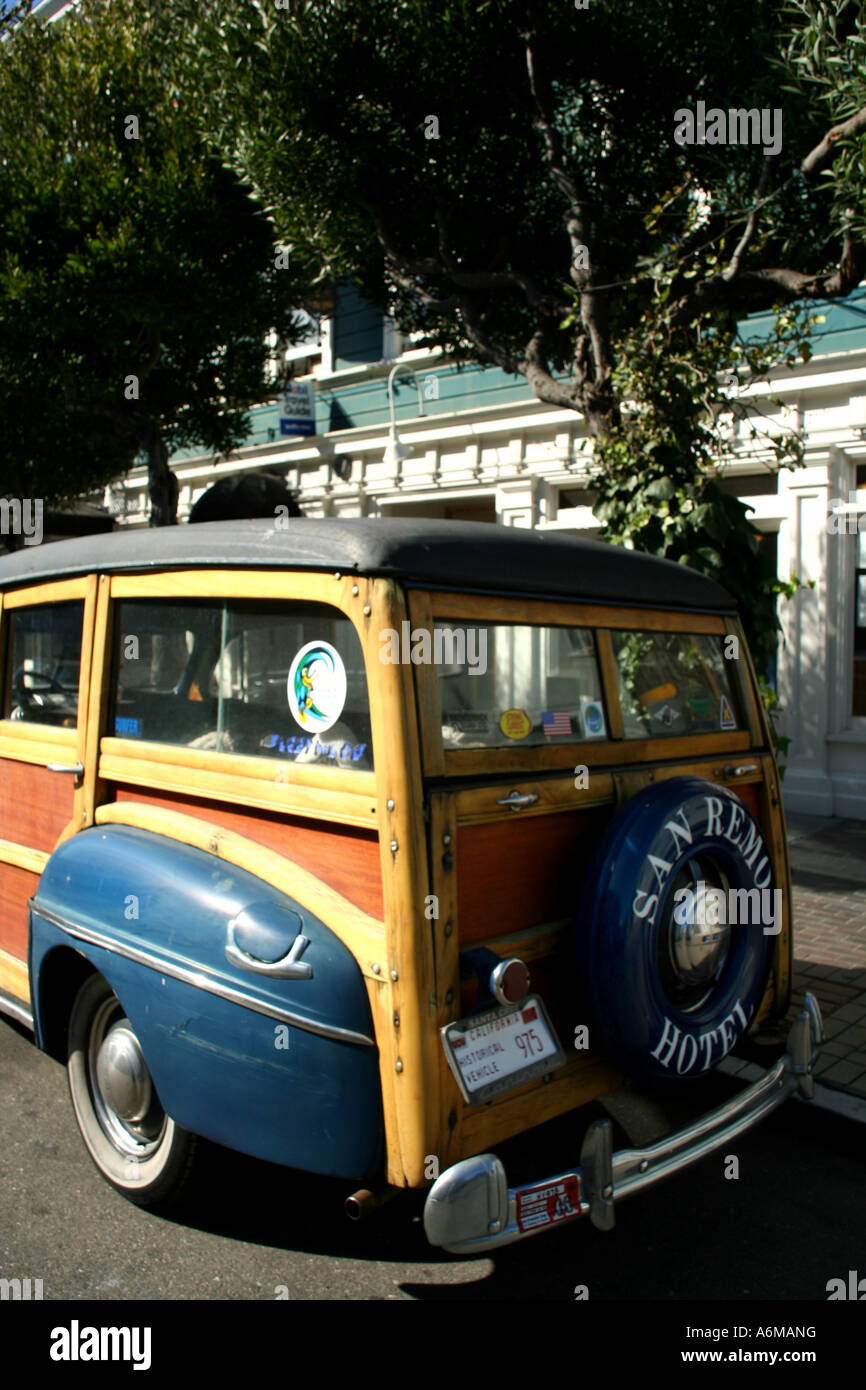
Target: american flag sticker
(556, 723)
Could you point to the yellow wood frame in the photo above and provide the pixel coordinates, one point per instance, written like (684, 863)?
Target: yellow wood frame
(327, 793)
(41, 744)
(14, 977)
(425, 607)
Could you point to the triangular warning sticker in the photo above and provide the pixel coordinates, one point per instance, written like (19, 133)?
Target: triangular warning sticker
(726, 715)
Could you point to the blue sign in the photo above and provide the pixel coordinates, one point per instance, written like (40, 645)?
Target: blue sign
(298, 408)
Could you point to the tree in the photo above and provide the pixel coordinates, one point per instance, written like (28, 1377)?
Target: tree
(519, 181)
(825, 59)
(138, 278)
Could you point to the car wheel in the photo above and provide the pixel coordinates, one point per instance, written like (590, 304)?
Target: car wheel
(135, 1145)
(676, 929)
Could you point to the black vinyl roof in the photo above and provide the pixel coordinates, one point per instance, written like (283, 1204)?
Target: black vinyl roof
(438, 554)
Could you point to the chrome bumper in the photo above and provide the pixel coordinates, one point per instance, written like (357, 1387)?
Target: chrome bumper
(471, 1209)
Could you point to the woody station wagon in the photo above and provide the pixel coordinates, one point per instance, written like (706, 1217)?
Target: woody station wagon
(365, 846)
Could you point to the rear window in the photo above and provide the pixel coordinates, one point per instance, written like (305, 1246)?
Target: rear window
(503, 684)
(265, 679)
(674, 683)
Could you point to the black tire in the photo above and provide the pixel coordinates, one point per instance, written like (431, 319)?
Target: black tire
(137, 1148)
(649, 1009)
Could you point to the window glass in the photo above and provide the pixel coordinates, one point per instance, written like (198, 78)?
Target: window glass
(674, 683)
(265, 679)
(502, 685)
(43, 663)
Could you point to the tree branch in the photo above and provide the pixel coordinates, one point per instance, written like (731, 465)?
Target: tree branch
(592, 370)
(537, 372)
(476, 334)
(733, 267)
(554, 157)
(825, 152)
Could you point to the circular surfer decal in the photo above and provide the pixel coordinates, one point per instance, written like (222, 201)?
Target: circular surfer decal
(316, 688)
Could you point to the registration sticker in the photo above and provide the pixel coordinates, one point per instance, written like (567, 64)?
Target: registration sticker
(501, 1049)
(548, 1202)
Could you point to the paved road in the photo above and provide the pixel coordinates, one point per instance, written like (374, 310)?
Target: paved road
(771, 1234)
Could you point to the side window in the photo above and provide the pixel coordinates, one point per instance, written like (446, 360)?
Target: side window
(264, 679)
(674, 683)
(43, 663)
(503, 684)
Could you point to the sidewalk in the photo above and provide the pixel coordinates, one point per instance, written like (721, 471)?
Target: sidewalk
(828, 867)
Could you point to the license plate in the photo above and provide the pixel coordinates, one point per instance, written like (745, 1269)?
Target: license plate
(501, 1049)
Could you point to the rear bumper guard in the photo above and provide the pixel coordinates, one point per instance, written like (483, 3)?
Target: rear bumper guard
(471, 1209)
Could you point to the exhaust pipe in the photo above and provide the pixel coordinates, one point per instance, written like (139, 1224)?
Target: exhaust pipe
(364, 1202)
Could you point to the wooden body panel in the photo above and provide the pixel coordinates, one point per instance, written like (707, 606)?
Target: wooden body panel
(36, 805)
(583, 1078)
(515, 874)
(345, 858)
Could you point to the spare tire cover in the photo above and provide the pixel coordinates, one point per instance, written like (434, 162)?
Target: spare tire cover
(676, 928)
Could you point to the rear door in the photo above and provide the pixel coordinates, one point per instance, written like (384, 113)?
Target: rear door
(539, 721)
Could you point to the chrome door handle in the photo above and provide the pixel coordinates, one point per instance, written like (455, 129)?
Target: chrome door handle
(516, 801)
(730, 771)
(289, 967)
(77, 768)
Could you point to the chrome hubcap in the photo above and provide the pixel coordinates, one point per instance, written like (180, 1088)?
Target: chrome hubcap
(123, 1078)
(699, 938)
(694, 935)
(124, 1099)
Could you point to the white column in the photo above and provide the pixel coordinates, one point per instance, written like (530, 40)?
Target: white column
(516, 503)
(804, 655)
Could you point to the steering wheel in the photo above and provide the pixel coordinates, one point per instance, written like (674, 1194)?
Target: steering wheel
(27, 694)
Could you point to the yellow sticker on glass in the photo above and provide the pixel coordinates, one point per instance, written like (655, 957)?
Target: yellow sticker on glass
(515, 723)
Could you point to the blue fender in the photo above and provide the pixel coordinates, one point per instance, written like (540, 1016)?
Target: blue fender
(282, 1069)
(629, 892)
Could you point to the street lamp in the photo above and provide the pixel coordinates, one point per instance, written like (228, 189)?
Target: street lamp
(395, 450)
